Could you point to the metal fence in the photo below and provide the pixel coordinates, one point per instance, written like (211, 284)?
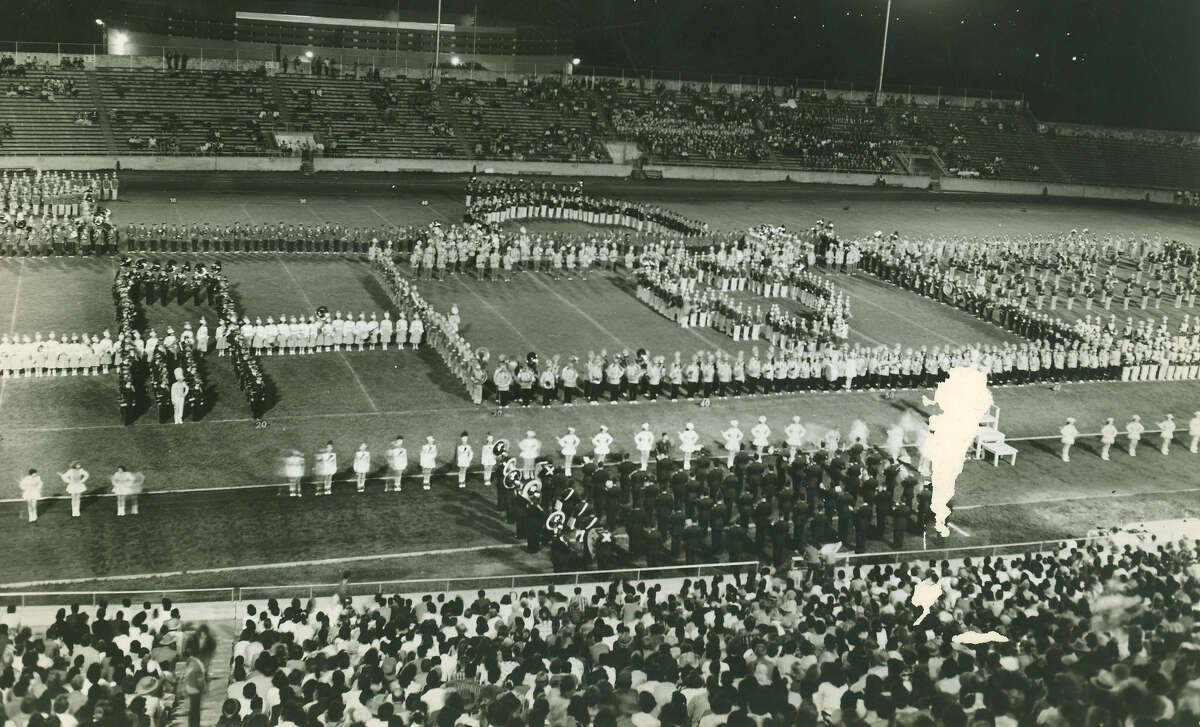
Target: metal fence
(938, 554)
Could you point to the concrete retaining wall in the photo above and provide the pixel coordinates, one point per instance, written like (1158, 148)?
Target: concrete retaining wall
(468, 166)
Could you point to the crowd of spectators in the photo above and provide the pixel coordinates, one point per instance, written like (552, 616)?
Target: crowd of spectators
(1099, 633)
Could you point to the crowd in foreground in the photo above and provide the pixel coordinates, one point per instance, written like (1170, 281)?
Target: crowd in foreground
(1098, 633)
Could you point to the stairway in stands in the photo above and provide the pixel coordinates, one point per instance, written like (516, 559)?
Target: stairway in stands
(102, 117)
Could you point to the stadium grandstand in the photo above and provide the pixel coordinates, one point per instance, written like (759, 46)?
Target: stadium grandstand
(527, 363)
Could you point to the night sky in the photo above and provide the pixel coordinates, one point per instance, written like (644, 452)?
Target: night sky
(1122, 63)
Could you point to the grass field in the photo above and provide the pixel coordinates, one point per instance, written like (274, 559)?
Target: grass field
(372, 396)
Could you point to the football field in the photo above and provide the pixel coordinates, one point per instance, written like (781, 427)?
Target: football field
(214, 479)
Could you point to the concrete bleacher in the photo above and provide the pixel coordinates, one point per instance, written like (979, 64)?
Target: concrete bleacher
(48, 127)
(482, 113)
(347, 112)
(185, 106)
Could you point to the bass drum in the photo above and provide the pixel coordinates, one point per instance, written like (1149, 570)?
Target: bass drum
(593, 538)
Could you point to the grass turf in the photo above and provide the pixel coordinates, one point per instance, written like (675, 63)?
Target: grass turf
(371, 397)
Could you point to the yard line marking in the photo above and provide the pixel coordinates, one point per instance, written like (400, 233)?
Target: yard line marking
(958, 530)
(1107, 496)
(901, 316)
(243, 420)
(577, 309)
(379, 215)
(12, 320)
(341, 355)
(498, 314)
(248, 215)
(261, 566)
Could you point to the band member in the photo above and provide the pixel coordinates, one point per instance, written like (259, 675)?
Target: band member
(428, 461)
(126, 486)
(1067, 435)
(325, 468)
(293, 469)
(31, 491)
(794, 433)
(761, 436)
(1166, 430)
(568, 445)
(487, 458)
(1134, 430)
(1194, 433)
(362, 465)
(463, 456)
(689, 443)
(397, 458)
(733, 442)
(644, 442)
(1108, 437)
(76, 478)
(601, 444)
(530, 448)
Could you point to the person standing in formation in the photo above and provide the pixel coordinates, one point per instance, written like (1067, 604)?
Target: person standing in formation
(1108, 437)
(529, 448)
(1134, 430)
(568, 445)
(428, 461)
(326, 468)
(761, 436)
(487, 458)
(733, 442)
(462, 457)
(76, 478)
(31, 491)
(1194, 433)
(601, 444)
(293, 469)
(689, 443)
(397, 458)
(1067, 435)
(643, 441)
(1166, 430)
(362, 465)
(179, 392)
(126, 485)
(794, 433)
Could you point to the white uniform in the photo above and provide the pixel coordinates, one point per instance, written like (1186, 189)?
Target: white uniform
(689, 443)
(602, 445)
(529, 448)
(326, 467)
(487, 458)
(362, 465)
(1194, 433)
(733, 442)
(1167, 431)
(397, 458)
(179, 392)
(31, 492)
(644, 442)
(1108, 437)
(794, 433)
(463, 455)
(568, 445)
(293, 469)
(76, 479)
(761, 435)
(428, 462)
(1067, 434)
(1134, 430)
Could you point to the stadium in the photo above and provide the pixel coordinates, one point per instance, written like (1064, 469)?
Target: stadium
(538, 364)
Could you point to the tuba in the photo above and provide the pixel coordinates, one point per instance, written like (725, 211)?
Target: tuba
(531, 492)
(556, 521)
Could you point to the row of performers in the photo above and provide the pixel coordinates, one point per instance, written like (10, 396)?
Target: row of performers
(81, 236)
(170, 282)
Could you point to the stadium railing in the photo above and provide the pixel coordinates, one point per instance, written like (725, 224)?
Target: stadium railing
(931, 554)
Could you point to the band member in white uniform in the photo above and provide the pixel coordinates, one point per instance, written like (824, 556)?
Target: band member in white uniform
(794, 433)
(644, 442)
(760, 435)
(76, 478)
(397, 458)
(463, 455)
(529, 448)
(326, 468)
(126, 485)
(293, 469)
(1134, 430)
(179, 392)
(689, 443)
(428, 461)
(362, 465)
(487, 458)
(601, 444)
(1108, 437)
(568, 445)
(1194, 433)
(1067, 434)
(31, 491)
(733, 442)
(1166, 430)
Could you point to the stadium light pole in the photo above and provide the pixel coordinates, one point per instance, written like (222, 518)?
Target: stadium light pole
(437, 42)
(887, 17)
